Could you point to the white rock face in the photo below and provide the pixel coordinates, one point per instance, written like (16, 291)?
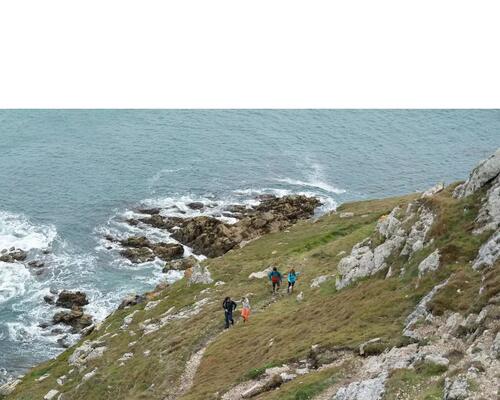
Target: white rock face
(437, 359)
(260, 274)
(151, 305)
(489, 214)
(346, 215)
(201, 275)
(388, 225)
(316, 282)
(488, 253)
(430, 263)
(495, 347)
(480, 175)
(51, 394)
(369, 389)
(86, 352)
(363, 261)
(438, 187)
(418, 232)
(420, 311)
(8, 388)
(456, 389)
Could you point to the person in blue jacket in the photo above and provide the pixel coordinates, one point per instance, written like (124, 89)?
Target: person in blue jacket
(275, 278)
(291, 278)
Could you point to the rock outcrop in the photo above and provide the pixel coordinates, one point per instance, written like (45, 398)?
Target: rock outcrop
(67, 299)
(12, 255)
(430, 263)
(212, 237)
(140, 249)
(484, 173)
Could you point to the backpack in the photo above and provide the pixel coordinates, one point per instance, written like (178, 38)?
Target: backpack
(275, 277)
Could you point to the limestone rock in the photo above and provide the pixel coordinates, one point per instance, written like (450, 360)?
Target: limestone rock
(438, 187)
(51, 394)
(201, 274)
(369, 389)
(489, 215)
(89, 350)
(430, 263)
(488, 253)
(8, 388)
(420, 311)
(483, 173)
(436, 359)
(456, 388)
(316, 282)
(495, 347)
(418, 232)
(388, 225)
(260, 274)
(346, 215)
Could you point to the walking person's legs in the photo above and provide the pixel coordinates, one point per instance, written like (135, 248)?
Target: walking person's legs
(227, 318)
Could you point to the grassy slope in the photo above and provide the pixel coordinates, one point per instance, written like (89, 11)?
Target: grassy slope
(370, 308)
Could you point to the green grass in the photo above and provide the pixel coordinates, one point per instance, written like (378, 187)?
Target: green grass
(372, 307)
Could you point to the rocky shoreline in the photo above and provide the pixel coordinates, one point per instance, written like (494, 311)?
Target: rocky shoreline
(206, 236)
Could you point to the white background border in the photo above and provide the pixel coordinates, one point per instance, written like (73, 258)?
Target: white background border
(249, 54)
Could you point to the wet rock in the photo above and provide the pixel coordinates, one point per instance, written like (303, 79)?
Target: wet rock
(44, 325)
(67, 299)
(482, 174)
(168, 251)
(49, 299)
(136, 241)
(181, 265)
(13, 255)
(131, 300)
(138, 255)
(430, 263)
(150, 211)
(64, 342)
(196, 205)
(75, 318)
(456, 388)
(36, 264)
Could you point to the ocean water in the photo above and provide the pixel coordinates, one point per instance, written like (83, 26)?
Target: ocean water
(69, 177)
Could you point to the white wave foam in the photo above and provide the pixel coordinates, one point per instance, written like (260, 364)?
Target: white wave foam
(313, 184)
(18, 231)
(14, 279)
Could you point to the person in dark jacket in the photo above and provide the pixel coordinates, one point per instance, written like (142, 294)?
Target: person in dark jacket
(275, 278)
(229, 306)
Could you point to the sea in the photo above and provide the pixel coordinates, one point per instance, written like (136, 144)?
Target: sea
(70, 177)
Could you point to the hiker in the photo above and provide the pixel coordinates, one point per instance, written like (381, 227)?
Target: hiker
(229, 306)
(275, 278)
(245, 310)
(291, 278)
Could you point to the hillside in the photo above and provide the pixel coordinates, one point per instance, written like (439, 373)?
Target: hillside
(397, 298)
